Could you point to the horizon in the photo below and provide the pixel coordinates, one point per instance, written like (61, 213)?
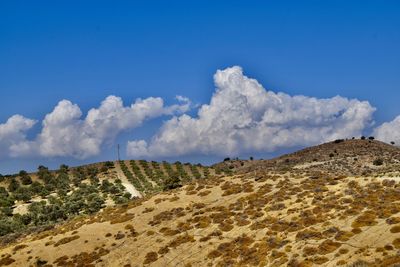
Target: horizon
(210, 164)
(194, 82)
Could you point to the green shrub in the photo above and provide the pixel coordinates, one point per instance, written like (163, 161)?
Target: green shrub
(109, 164)
(13, 185)
(172, 182)
(8, 225)
(23, 193)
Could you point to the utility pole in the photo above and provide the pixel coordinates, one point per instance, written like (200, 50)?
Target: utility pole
(119, 158)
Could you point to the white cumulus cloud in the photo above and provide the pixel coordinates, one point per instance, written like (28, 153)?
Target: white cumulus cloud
(12, 132)
(388, 131)
(65, 133)
(244, 117)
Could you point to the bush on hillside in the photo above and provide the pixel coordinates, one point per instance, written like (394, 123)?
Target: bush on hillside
(26, 180)
(378, 162)
(13, 185)
(172, 182)
(109, 164)
(23, 193)
(8, 225)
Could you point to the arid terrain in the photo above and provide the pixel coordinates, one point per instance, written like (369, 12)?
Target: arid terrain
(337, 204)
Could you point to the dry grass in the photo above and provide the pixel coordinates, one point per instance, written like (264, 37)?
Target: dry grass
(285, 217)
(66, 240)
(7, 260)
(150, 257)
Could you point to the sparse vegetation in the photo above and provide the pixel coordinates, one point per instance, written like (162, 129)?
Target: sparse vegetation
(290, 211)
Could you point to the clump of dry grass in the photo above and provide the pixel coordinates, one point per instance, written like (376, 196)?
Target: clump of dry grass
(343, 236)
(395, 229)
(216, 233)
(309, 251)
(6, 260)
(328, 246)
(49, 243)
(230, 188)
(396, 243)
(132, 230)
(204, 193)
(390, 261)
(166, 231)
(66, 240)
(173, 199)
(167, 215)
(365, 219)
(359, 263)
(202, 221)
(308, 234)
(225, 226)
(241, 220)
(86, 259)
(62, 261)
(150, 257)
(19, 247)
(122, 218)
(159, 200)
(393, 220)
(148, 209)
(119, 235)
(319, 260)
(163, 250)
(181, 240)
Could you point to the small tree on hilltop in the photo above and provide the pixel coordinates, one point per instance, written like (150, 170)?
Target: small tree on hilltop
(25, 178)
(64, 168)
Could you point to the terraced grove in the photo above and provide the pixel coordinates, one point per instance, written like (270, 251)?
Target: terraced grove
(32, 201)
(151, 177)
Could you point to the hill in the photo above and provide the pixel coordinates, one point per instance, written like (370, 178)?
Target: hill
(341, 157)
(31, 201)
(268, 213)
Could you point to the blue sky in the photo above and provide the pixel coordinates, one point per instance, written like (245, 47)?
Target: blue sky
(84, 51)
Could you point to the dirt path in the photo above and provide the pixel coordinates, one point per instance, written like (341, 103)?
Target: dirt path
(128, 186)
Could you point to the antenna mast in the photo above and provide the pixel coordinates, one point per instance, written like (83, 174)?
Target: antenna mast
(119, 158)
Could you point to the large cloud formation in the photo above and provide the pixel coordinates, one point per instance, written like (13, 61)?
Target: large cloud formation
(244, 117)
(65, 133)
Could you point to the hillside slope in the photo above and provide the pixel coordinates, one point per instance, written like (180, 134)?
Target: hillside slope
(341, 157)
(267, 216)
(34, 200)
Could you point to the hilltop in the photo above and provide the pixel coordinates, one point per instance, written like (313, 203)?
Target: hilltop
(340, 157)
(300, 209)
